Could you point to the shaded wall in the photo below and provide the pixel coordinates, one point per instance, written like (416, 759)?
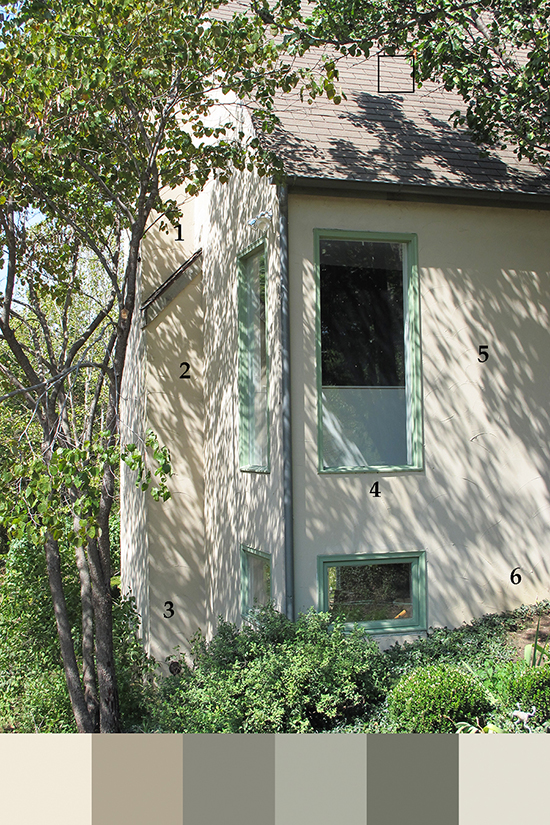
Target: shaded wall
(133, 516)
(175, 411)
(481, 506)
(240, 507)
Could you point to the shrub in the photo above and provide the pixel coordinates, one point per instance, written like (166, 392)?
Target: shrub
(134, 668)
(277, 676)
(479, 641)
(530, 686)
(431, 699)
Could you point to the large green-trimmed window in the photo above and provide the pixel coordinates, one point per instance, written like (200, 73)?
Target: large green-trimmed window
(255, 579)
(385, 592)
(369, 360)
(253, 361)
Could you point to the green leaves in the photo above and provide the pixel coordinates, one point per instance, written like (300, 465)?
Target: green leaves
(499, 64)
(42, 496)
(135, 460)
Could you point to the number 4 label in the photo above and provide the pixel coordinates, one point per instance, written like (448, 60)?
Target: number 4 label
(375, 490)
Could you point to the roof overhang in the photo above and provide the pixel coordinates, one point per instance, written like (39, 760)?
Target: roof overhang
(414, 192)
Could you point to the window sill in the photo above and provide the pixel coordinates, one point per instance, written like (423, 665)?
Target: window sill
(381, 629)
(383, 468)
(253, 469)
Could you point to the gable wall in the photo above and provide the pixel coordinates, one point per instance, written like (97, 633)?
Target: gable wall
(481, 506)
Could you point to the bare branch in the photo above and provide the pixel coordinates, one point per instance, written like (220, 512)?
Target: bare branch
(7, 221)
(99, 387)
(48, 382)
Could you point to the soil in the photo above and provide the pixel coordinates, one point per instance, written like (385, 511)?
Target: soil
(526, 632)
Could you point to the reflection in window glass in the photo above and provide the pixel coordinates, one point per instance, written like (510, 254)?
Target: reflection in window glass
(365, 392)
(370, 592)
(254, 442)
(255, 579)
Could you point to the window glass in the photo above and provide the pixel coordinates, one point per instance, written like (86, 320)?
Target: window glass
(254, 440)
(367, 416)
(370, 593)
(255, 579)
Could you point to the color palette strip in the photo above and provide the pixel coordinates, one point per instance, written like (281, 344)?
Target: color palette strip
(282, 779)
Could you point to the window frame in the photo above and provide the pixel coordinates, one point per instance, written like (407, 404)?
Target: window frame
(412, 342)
(246, 551)
(245, 465)
(417, 624)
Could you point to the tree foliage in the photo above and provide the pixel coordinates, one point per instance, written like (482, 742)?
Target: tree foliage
(105, 107)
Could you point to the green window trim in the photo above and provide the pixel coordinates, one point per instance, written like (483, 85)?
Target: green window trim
(412, 343)
(247, 603)
(251, 420)
(417, 559)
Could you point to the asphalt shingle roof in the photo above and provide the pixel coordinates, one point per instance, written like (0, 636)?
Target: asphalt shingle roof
(400, 138)
(376, 137)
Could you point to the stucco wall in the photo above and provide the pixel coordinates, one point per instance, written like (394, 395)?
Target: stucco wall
(240, 507)
(162, 543)
(133, 516)
(176, 527)
(481, 506)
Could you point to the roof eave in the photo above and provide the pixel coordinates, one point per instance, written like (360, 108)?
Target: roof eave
(417, 192)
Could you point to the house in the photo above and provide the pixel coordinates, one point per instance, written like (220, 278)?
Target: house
(351, 373)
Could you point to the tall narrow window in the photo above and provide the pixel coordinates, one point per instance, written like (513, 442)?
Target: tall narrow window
(369, 364)
(253, 361)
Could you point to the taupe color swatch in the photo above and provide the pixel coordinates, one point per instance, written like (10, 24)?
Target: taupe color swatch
(136, 778)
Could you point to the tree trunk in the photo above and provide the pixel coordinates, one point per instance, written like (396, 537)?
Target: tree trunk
(100, 572)
(53, 562)
(88, 666)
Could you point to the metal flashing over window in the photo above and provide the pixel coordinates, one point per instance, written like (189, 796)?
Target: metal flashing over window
(171, 287)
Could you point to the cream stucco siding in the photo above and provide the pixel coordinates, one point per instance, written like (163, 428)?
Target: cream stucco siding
(133, 518)
(241, 508)
(176, 527)
(162, 543)
(481, 506)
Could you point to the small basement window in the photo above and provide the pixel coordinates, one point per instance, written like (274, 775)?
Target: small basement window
(255, 579)
(383, 592)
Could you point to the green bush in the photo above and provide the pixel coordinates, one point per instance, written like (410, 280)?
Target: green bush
(134, 669)
(530, 686)
(276, 676)
(432, 698)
